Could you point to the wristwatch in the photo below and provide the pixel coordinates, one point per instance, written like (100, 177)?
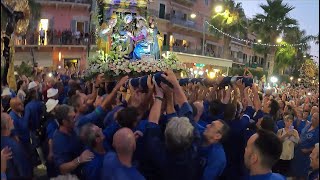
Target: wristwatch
(160, 98)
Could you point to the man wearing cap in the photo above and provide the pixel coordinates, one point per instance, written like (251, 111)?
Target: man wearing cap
(51, 126)
(50, 83)
(52, 93)
(5, 99)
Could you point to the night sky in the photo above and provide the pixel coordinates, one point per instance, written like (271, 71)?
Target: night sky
(306, 12)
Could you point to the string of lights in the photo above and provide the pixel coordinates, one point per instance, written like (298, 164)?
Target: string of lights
(249, 41)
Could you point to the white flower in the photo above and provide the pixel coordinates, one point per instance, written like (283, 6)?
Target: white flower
(128, 70)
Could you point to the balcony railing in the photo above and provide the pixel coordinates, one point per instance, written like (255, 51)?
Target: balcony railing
(186, 23)
(186, 2)
(70, 1)
(238, 41)
(55, 38)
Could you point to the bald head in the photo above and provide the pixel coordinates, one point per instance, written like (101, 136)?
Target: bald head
(16, 104)
(124, 141)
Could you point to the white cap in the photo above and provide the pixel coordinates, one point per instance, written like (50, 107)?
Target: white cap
(32, 85)
(6, 92)
(52, 92)
(51, 104)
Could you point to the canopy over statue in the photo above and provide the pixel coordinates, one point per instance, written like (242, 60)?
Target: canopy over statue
(124, 28)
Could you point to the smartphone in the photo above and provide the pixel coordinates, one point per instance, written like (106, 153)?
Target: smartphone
(291, 128)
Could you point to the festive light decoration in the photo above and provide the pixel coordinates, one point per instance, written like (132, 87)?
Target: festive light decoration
(249, 41)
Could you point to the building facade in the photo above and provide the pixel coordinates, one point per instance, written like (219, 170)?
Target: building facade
(67, 39)
(69, 34)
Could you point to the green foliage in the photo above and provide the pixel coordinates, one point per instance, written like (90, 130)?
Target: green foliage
(284, 56)
(232, 20)
(24, 69)
(274, 21)
(309, 70)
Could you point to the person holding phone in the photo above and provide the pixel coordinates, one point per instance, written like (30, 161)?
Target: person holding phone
(289, 137)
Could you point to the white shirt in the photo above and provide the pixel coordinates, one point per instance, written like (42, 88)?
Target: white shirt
(42, 33)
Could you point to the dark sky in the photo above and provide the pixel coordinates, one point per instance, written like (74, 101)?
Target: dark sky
(306, 12)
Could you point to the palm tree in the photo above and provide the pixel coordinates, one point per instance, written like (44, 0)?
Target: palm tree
(232, 21)
(296, 36)
(272, 23)
(285, 55)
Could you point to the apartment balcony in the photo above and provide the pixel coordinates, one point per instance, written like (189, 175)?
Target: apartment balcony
(182, 22)
(188, 3)
(156, 13)
(66, 3)
(241, 43)
(32, 40)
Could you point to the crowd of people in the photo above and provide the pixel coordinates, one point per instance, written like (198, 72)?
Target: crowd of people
(96, 129)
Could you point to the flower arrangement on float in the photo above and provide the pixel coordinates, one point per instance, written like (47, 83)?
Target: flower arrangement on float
(113, 66)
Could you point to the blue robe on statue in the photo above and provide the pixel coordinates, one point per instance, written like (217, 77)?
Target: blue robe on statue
(141, 47)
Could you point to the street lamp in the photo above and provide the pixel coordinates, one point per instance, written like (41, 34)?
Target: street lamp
(193, 15)
(259, 41)
(279, 40)
(218, 9)
(299, 79)
(291, 78)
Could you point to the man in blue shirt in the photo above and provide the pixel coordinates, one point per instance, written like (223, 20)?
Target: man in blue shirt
(80, 103)
(118, 165)
(212, 152)
(19, 166)
(262, 152)
(68, 152)
(172, 155)
(93, 138)
(21, 125)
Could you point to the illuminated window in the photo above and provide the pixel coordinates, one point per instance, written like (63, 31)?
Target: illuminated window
(44, 23)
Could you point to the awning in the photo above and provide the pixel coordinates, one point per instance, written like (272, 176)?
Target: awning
(192, 58)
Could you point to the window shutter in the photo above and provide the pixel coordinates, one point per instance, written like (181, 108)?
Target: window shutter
(73, 26)
(86, 26)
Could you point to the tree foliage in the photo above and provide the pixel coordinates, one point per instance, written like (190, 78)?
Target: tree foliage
(274, 21)
(309, 70)
(285, 56)
(232, 21)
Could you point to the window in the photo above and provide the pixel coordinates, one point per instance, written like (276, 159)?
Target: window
(206, 2)
(162, 11)
(185, 17)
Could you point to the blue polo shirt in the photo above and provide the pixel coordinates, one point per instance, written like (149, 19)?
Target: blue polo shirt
(52, 126)
(66, 147)
(92, 169)
(20, 165)
(33, 113)
(113, 169)
(92, 117)
(21, 129)
(235, 144)
(214, 160)
(301, 125)
(269, 176)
